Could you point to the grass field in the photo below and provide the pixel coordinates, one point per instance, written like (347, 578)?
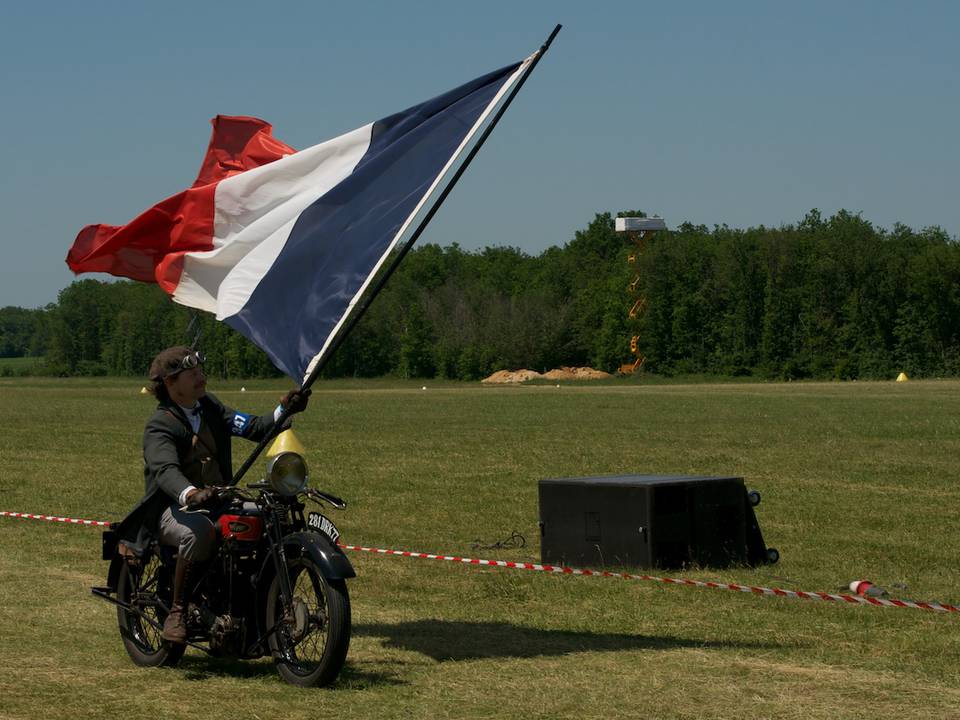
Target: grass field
(859, 480)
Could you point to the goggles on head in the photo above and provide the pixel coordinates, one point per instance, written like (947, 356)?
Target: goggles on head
(190, 361)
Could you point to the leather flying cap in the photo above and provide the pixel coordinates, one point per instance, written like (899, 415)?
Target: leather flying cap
(170, 362)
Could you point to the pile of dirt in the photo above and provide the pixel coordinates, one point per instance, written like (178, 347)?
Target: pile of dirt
(501, 377)
(562, 373)
(576, 373)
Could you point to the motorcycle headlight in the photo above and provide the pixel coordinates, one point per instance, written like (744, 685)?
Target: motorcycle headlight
(287, 473)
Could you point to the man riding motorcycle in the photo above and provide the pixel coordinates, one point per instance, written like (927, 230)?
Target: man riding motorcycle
(186, 452)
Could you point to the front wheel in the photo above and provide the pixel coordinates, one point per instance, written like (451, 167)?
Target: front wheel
(141, 586)
(310, 638)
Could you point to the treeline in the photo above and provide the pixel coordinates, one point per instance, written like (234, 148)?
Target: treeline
(832, 298)
(824, 298)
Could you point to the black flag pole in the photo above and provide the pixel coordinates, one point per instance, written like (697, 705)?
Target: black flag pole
(371, 294)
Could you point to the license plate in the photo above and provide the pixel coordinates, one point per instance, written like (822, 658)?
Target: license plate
(321, 523)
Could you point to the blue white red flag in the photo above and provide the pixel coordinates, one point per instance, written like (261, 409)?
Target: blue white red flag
(280, 244)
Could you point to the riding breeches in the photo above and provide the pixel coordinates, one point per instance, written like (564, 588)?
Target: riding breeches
(192, 533)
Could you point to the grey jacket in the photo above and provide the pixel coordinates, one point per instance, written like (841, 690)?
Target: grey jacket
(167, 441)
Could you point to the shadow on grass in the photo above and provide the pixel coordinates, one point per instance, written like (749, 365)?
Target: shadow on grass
(204, 667)
(453, 640)
(443, 640)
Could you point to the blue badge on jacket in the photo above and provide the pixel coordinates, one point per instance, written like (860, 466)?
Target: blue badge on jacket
(240, 424)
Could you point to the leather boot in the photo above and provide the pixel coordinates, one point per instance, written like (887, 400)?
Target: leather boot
(175, 626)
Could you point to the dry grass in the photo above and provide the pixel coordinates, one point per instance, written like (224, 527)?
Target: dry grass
(858, 481)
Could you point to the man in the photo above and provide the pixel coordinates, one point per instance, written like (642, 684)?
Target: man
(186, 451)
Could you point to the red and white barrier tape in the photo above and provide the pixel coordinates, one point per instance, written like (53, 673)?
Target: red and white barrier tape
(54, 518)
(559, 569)
(777, 592)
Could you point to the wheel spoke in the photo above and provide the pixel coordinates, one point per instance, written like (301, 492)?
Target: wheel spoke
(140, 626)
(306, 651)
(143, 596)
(309, 636)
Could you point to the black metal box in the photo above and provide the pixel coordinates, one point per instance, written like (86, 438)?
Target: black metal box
(654, 521)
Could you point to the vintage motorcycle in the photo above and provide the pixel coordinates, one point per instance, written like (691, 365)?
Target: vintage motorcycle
(276, 586)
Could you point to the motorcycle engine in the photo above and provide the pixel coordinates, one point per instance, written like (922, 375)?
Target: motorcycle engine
(226, 635)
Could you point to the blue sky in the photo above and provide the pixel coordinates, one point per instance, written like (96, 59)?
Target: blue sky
(742, 113)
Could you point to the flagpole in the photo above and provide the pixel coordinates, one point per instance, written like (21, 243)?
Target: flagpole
(361, 309)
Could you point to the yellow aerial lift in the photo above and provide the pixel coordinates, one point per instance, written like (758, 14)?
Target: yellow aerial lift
(636, 230)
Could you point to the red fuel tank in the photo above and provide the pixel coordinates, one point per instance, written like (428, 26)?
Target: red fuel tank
(241, 527)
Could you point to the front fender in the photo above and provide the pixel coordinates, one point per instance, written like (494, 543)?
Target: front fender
(328, 557)
(331, 560)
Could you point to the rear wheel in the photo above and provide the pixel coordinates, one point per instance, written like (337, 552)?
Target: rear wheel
(141, 587)
(311, 638)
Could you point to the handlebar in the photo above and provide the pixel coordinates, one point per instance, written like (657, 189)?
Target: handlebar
(224, 492)
(320, 496)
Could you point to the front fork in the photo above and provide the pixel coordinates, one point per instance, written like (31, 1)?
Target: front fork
(280, 560)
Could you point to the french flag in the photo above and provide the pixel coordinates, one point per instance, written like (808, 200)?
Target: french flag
(280, 244)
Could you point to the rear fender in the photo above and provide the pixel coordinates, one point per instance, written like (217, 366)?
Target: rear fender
(113, 575)
(119, 552)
